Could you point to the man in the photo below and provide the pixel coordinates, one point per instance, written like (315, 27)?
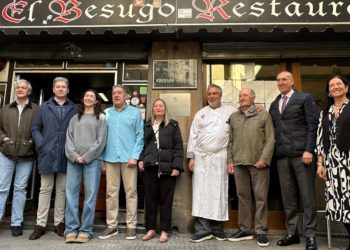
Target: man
(17, 152)
(295, 119)
(49, 132)
(207, 155)
(124, 145)
(249, 153)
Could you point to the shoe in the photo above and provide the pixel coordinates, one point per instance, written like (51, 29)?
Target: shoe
(262, 240)
(310, 243)
(37, 232)
(16, 231)
(219, 235)
(130, 233)
(82, 238)
(70, 238)
(59, 229)
(240, 235)
(149, 235)
(201, 237)
(288, 240)
(107, 233)
(163, 237)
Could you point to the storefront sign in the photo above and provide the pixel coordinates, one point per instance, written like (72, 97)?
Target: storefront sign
(171, 14)
(176, 74)
(179, 104)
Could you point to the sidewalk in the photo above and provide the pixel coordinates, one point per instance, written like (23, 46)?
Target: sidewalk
(51, 241)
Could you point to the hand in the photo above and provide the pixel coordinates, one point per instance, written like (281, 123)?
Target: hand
(190, 165)
(6, 139)
(175, 172)
(103, 166)
(321, 172)
(230, 168)
(131, 163)
(80, 160)
(141, 168)
(307, 158)
(259, 107)
(260, 164)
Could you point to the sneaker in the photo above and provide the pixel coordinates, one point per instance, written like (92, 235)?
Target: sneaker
(59, 229)
(219, 235)
(201, 237)
(240, 235)
(70, 238)
(107, 233)
(37, 232)
(130, 233)
(16, 231)
(82, 238)
(262, 240)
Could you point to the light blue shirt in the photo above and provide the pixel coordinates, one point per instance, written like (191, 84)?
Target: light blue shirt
(125, 134)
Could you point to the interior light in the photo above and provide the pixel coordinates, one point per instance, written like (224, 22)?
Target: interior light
(103, 97)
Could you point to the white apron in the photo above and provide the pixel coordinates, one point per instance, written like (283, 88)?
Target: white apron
(208, 143)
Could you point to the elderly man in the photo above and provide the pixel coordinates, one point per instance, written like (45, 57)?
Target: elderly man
(49, 132)
(295, 119)
(124, 146)
(249, 153)
(17, 152)
(207, 153)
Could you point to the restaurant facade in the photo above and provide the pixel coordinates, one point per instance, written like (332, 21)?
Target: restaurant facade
(173, 49)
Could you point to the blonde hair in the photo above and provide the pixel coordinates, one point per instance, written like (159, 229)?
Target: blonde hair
(166, 117)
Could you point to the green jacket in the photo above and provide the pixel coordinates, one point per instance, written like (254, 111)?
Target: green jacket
(252, 138)
(20, 146)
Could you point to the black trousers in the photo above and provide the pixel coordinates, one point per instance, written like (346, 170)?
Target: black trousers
(158, 192)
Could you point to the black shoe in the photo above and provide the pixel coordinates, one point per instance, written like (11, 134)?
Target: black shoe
(219, 235)
(16, 231)
(37, 232)
(288, 240)
(240, 235)
(262, 240)
(59, 229)
(310, 243)
(201, 237)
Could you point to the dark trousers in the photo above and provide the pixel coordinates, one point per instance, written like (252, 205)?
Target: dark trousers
(205, 226)
(298, 179)
(158, 192)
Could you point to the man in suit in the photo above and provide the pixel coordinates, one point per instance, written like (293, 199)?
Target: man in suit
(295, 118)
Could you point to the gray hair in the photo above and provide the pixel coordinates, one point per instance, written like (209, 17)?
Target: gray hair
(252, 92)
(120, 86)
(60, 79)
(30, 88)
(212, 85)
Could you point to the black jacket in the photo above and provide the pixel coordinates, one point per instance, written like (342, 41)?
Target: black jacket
(342, 130)
(169, 156)
(296, 128)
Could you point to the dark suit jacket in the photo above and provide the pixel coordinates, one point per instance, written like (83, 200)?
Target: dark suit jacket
(296, 128)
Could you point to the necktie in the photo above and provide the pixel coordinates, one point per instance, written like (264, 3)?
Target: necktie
(284, 103)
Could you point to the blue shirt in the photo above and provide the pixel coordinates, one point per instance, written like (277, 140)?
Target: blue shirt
(125, 134)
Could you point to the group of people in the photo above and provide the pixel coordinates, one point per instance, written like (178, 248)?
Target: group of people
(73, 145)
(244, 141)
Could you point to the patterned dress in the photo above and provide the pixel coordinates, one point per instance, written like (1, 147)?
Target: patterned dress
(337, 189)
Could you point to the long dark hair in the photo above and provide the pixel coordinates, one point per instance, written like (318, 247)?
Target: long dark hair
(329, 100)
(97, 107)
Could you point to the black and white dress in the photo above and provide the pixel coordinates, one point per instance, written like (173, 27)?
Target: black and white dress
(337, 189)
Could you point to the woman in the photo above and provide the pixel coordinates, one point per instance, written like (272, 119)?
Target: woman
(333, 150)
(86, 139)
(162, 161)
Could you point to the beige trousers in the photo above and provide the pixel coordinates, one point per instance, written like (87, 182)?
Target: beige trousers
(115, 171)
(46, 187)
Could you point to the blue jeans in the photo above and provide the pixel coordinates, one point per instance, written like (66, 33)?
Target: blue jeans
(92, 174)
(23, 170)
